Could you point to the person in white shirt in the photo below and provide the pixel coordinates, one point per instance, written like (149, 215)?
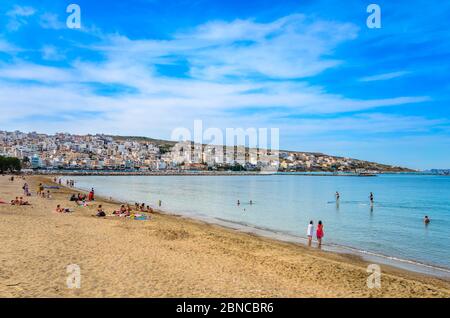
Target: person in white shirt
(310, 232)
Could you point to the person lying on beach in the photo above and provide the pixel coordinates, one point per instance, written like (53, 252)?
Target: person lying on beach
(81, 203)
(22, 202)
(149, 209)
(73, 198)
(61, 210)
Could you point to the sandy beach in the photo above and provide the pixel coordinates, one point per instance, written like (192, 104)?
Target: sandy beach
(169, 256)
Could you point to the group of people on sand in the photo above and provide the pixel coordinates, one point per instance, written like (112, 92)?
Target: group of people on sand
(143, 208)
(19, 201)
(79, 199)
(126, 211)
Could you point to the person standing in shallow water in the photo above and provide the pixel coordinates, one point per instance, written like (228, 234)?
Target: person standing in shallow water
(371, 198)
(319, 233)
(310, 232)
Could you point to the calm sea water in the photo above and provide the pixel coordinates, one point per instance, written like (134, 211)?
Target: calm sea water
(286, 203)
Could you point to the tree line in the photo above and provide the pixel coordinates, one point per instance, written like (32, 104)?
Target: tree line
(9, 164)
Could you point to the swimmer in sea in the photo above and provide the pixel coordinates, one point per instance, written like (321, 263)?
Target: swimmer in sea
(426, 220)
(238, 202)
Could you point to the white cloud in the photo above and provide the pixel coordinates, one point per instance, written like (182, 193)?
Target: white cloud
(18, 16)
(7, 47)
(50, 21)
(383, 77)
(50, 52)
(231, 67)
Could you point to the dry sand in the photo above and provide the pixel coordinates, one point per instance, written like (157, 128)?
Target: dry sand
(170, 256)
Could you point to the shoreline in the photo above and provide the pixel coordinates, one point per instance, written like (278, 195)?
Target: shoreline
(210, 173)
(172, 256)
(409, 265)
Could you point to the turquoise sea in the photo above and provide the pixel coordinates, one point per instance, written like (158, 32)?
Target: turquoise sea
(392, 228)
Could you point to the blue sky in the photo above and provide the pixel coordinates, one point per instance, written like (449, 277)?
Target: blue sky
(313, 69)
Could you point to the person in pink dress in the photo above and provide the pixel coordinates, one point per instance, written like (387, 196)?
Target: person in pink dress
(319, 233)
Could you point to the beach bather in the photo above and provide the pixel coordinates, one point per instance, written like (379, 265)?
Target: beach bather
(310, 232)
(59, 209)
(319, 233)
(122, 210)
(22, 202)
(100, 212)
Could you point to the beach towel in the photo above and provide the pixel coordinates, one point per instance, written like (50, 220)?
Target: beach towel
(141, 218)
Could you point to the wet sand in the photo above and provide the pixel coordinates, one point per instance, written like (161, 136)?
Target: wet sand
(170, 256)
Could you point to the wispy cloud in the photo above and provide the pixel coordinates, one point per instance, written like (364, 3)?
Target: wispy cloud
(51, 21)
(230, 66)
(384, 76)
(51, 53)
(18, 16)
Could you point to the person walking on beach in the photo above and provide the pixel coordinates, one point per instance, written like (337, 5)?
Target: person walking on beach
(40, 189)
(25, 189)
(310, 232)
(319, 233)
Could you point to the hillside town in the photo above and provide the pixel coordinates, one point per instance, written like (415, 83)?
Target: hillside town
(102, 152)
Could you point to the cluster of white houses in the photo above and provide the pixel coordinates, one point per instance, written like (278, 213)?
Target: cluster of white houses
(68, 151)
